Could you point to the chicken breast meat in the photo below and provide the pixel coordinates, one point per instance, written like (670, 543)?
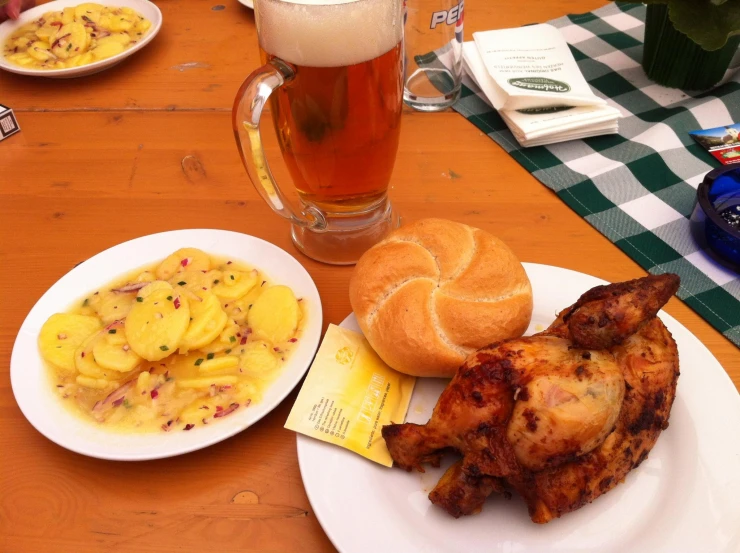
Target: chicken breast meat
(562, 416)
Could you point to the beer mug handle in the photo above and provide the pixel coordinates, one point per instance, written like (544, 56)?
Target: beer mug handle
(248, 106)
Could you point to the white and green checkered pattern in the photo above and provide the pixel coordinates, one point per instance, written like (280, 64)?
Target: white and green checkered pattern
(637, 187)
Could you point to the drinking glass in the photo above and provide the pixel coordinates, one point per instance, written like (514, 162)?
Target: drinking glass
(433, 52)
(333, 74)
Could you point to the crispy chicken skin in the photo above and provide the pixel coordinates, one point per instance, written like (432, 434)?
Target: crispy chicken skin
(559, 423)
(607, 315)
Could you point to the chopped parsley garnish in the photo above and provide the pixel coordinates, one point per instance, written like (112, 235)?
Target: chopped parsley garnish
(231, 277)
(215, 282)
(232, 338)
(169, 298)
(84, 303)
(164, 348)
(112, 331)
(139, 299)
(227, 351)
(182, 283)
(199, 361)
(210, 355)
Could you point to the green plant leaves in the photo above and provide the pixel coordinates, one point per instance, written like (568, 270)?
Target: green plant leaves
(709, 23)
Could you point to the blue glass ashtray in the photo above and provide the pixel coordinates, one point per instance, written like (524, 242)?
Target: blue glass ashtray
(715, 222)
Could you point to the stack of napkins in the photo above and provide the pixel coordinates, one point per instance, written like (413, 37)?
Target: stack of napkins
(529, 75)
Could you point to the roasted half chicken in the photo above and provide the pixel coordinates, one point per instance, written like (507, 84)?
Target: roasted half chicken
(562, 416)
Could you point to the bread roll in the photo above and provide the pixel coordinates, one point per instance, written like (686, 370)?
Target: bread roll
(434, 291)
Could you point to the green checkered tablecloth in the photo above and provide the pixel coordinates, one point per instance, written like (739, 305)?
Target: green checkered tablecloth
(637, 187)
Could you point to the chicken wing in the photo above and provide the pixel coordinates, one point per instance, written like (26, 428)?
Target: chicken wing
(560, 423)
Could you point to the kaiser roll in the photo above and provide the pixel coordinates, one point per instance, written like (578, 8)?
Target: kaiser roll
(434, 291)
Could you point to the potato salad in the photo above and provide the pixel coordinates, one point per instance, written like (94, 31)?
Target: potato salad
(173, 346)
(75, 36)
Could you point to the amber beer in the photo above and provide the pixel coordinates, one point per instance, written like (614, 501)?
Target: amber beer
(338, 119)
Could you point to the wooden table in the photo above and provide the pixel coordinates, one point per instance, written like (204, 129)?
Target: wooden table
(148, 147)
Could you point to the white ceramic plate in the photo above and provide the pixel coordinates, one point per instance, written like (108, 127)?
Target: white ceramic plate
(34, 390)
(247, 3)
(149, 10)
(683, 498)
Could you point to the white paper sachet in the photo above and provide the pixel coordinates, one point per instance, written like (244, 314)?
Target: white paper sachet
(533, 67)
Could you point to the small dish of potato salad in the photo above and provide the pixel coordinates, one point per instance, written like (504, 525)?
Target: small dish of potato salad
(172, 346)
(66, 38)
(191, 346)
(75, 36)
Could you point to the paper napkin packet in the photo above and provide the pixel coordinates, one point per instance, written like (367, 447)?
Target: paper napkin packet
(530, 76)
(349, 395)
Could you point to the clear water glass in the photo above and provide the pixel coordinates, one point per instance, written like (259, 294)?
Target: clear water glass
(433, 37)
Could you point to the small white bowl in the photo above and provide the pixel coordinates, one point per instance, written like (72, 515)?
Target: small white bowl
(149, 10)
(34, 389)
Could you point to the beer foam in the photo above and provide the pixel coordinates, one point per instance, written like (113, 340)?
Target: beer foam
(328, 33)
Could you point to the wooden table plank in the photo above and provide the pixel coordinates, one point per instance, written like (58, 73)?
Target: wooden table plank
(144, 148)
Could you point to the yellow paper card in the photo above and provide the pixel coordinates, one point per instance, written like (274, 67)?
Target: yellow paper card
(349, 395)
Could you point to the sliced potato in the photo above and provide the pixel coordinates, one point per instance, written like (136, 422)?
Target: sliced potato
(200, 409)
(80, 60)
(85, 360)
(258, 358)
(207, 381)
(195, 281)
(183, 259)
(247, 392)
(95, 383)
(111, 306)
(21, 58)
(155, 326)
(143, 25)
(152, 287)
(235, 284)
(274, 316)
(228, 364)
(207, 322)
(228, 339)
(107, 49)
(62, 334)
(112, 351)
(38, 50)
(88, 10)
(70, 41)
(121, 22)
(46, 33)
(122, 38)
(68, 15)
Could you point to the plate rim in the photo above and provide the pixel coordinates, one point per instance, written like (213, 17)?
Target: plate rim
(305, 441)
(8, 26)
(313, 339)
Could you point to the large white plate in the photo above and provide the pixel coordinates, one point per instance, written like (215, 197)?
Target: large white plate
(247, 3)
(34, 390)
(683, 498)
(148, 9)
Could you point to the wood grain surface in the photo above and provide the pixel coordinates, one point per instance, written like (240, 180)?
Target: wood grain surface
(146, 147)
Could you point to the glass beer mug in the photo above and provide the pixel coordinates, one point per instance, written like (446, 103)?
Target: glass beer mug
(334, 76)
